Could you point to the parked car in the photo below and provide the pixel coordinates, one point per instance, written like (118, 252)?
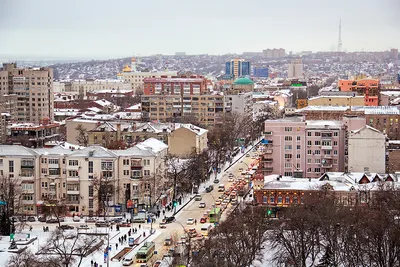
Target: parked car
(102, 224)
(83, 226)
(124, 224)
(209, 188)
(231, 179)
(127, 261)
(76, 219)
(190, 221)
(216, 181)
(163, 225)
(167, 242)
(31, 219)
(116, 220)
(90, 220)
(202, 205)
(197, 198)
(157, 264)
(52, 220)
(22, 219)
(203, 220)
(42, 219)
(65, 227)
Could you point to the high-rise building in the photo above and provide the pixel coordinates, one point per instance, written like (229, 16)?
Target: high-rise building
(274, 53)
(295, 69)
(394, 54)
(237, 68)
(261, 72)
(34, 88)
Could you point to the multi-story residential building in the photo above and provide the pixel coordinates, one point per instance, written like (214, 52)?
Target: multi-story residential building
(74, 177)
(260, 72)
(241, 103)
(8, 114)
(187, 139)
(207, 109)
(82, 87)
(295, 69)
(366, 150)
(178, 86)
(33, 135)
(369, 88)
(237, 68)
(34, 90)
(307, 148)
(136, 78)
(342, 101)
(274, 53)
(393, 156)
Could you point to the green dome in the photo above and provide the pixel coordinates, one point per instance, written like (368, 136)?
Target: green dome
(243, 81)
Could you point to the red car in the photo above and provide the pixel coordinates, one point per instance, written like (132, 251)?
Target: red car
(203, 220)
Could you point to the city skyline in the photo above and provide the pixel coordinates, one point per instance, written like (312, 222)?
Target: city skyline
(99, 30)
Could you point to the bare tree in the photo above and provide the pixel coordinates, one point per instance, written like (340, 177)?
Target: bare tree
(82, 137)
(104, 190)
(69, 247)
(10, 197)
(54, 208)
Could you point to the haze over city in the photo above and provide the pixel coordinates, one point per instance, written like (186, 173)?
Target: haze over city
(104, 29)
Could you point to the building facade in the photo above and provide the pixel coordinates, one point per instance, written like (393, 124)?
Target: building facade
(295, 69)
(274, 53)
(343, 101)
(187, 139)
(237, 68)
(34, 90)
(183, 85)
(369, 88)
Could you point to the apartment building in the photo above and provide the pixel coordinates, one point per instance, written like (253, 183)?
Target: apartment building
(241, 103)
(342, 101)
(83, 87)
(178, 86)
(187, 139)
(368, 88)
(294, 146)
(74, 177)
(34, 90)
(207, 109)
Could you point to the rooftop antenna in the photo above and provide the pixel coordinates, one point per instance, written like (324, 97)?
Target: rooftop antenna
(339, 47)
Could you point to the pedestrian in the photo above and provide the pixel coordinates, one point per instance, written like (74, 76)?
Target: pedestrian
(144, 234)
(129, 232)
(109, 248)
(119, 239)
(163, 212)
(116, 246)
(95, 264)
(111, 227)
(139, 226)
(195, 221)
(91, 263)
(125, 237)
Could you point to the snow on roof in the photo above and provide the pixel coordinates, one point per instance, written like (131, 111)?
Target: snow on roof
(191, 127)
(376, 109)
(290, 183)
(135, 107)
(104, 103)
(135, 152)
(154, 144)
(322, 123)
(95, 109)
(364, 128)
(94, 151)
(390, 93)
(334, 96)
(323, 108)
(15, 150)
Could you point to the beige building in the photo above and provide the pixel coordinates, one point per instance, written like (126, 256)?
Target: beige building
(34, 87)
(367, 150)
(341, 101)
(186, 139)
(73, 176)
(136, 78)
(82, 87)
(295, 69)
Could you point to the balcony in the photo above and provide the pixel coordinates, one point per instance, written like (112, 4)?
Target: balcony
(72, 192)
(25, 177)
(54, 166)
(268, 133)
(267, 160)
(28, 191)
(326, 165)
(27, 202)
(327, 156)
(135, 194)
(326, 147)
(73, 179)
(268, 151)
(136, 177)
(27, 164)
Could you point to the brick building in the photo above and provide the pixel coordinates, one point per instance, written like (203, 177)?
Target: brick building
(393, 156)
(179, 85)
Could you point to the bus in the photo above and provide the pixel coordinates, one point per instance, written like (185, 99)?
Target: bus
(215, 215)
(145, 252)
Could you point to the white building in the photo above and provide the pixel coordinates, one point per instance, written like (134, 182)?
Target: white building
(366, 150)
(136, 78)
(241, 103)
(91, 85)
(295, 69)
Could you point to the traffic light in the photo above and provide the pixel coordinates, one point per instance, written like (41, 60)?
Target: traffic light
(269, 212)
(175, 203)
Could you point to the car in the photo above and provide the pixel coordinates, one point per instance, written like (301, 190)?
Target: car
(169, 219)
(209, 188)
(192, 232)
(247, 155)
(124, 224)
(216, 181)
(203, 220)
(240, 169)
(52, 220)
(202, 205)
(31, 219)
(218, 202)
(116, 220)
(65, 227)
(197, 198)
(90, 220)
(143, 265)
(83, 227)
(42, 219)
(199, 237)
(231, 175)
(127, 261)
(234, 201)
(76, 219)
(102, 224)
(22, 219)
(167, 242)
(163, 225)
(231, 179)
(157, 264)
(190, 221)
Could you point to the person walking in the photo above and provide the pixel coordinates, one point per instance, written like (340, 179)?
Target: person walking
(195, 222)
(91, 263)
(116, 246)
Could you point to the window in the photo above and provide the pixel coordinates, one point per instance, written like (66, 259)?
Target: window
(298, 156)
(335, 143)
(106, 165)
(44, 184)
(146, 172)
(317, 170)
(73, 173)
(279, 199)
(91, 204)
(317, 152)
(334, 152)
(287, 200)
(272, 199)
(288, 129)
(336, 134)
(288, 165)
(27, 186)
(309, 152)
(317, 134)
(126, 172)
(298, 147)
(298, 138)
(27, 197)
(308, 133)
(288, 138)
(54, 171)
(309, 160)
(73, 162)
(298, 166)
(288, 156)
(11, 166)
(91, 192)
(295, 200)
(126, 162)
(309, 170)
(288, 147)
(53, 161)
(335, 161)
(317, 161)
(63, 185)
(317, 143)
(44, 171)
(90, 167)
(1, 162)
(309, 143)
(146, 162)
(288, 173)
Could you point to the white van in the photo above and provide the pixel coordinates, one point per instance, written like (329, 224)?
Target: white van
(221, 188)
(205, 229)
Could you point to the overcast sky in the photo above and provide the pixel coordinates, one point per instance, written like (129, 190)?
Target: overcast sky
(105, 28)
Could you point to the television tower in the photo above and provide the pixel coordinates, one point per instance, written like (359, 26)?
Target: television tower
(339, 46)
